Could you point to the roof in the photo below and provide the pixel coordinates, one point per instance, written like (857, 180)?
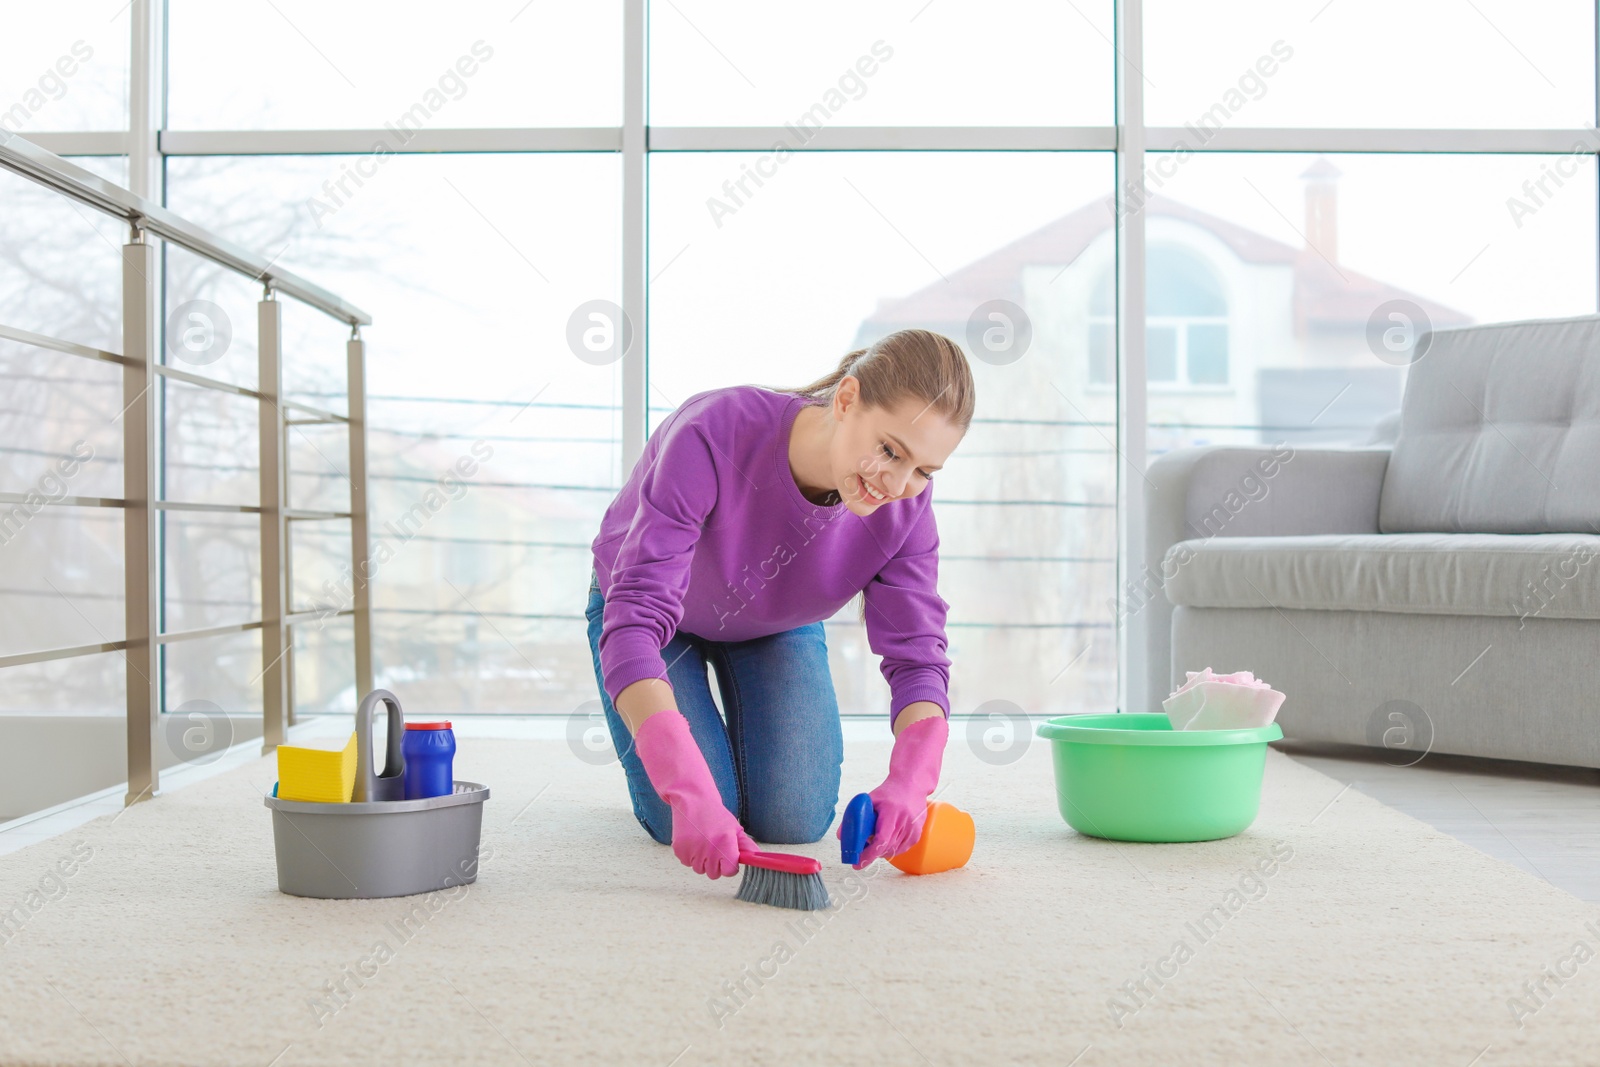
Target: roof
(1327, 297)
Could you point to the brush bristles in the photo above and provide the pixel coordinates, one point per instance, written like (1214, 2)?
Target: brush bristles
(780, 889)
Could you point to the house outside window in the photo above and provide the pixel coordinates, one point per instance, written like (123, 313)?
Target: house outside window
(1186, 327)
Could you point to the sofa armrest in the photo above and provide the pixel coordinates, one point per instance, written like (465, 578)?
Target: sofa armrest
(1234, 491)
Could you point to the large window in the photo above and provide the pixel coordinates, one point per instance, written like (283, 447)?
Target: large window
(1302, 256)
(1487, 64)
(60, 568)
(471, 266)
(64, 66)
(1272, 183)
(905, 63)
(331, 64)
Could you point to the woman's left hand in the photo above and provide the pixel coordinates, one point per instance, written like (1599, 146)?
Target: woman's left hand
(900, 804)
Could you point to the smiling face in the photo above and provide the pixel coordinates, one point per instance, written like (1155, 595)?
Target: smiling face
(881, 455)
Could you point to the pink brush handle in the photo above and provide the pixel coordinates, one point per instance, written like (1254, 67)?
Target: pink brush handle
(780, 861)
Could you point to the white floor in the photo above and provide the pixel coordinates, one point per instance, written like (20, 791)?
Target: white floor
(1342, 905)
(1545, 820)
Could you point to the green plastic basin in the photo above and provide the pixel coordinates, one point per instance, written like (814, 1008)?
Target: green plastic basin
(1134, 778)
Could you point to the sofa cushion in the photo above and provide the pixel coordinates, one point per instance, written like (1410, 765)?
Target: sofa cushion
(1552, 576)
(1499, 432)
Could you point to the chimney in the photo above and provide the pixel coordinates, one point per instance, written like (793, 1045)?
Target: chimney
(1322, 217)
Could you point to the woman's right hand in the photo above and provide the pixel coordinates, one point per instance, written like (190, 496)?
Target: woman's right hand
(709, 839)
(705, 835)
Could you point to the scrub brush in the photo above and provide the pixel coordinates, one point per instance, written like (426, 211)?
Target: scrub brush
(782, 880)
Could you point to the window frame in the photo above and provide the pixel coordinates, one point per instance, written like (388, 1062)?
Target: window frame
(1129, 138)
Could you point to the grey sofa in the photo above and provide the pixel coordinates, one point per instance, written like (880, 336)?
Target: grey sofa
(1440, 592)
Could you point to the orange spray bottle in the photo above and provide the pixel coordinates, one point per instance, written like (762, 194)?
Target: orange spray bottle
(946, 842)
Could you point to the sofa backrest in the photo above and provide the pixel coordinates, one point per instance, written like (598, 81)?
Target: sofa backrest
(1499, 432)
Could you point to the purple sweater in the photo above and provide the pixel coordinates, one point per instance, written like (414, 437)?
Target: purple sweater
(712, 536)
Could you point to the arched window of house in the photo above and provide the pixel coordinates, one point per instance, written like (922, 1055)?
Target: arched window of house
(1186, 321)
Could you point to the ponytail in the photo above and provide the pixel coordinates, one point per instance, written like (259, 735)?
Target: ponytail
(919, 364)
(824, 386)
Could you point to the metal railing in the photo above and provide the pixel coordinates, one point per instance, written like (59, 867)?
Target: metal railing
(141, 499)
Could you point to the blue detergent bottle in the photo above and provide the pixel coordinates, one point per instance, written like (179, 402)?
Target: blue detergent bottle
(429, 749)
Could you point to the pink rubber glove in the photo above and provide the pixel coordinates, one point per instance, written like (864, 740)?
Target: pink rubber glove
(901, 802)
(705, 835)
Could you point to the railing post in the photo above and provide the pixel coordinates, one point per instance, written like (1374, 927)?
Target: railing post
(140, 543)
(275, 636)
(361, 606)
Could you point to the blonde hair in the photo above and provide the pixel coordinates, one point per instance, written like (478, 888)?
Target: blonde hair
(916, 364)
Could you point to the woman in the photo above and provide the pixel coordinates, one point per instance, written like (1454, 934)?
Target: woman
(752, 515)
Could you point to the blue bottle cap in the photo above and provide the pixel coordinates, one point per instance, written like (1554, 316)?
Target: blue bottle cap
(855, 830)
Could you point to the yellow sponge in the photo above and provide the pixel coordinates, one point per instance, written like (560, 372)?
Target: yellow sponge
(327, 776)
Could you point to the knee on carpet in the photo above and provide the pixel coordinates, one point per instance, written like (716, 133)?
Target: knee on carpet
(790, 827)
(661, 835)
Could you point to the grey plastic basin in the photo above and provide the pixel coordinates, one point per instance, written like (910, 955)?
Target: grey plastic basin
(380, 848)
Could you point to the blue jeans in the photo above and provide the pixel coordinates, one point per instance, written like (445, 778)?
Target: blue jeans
(777, 758)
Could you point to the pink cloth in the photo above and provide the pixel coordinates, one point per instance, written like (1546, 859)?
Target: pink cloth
(705, 834)
(711, 535)
(900, 804)
(1209, 701)
(1244, 678)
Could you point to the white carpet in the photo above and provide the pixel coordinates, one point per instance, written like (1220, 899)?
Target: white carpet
(1381, 941)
